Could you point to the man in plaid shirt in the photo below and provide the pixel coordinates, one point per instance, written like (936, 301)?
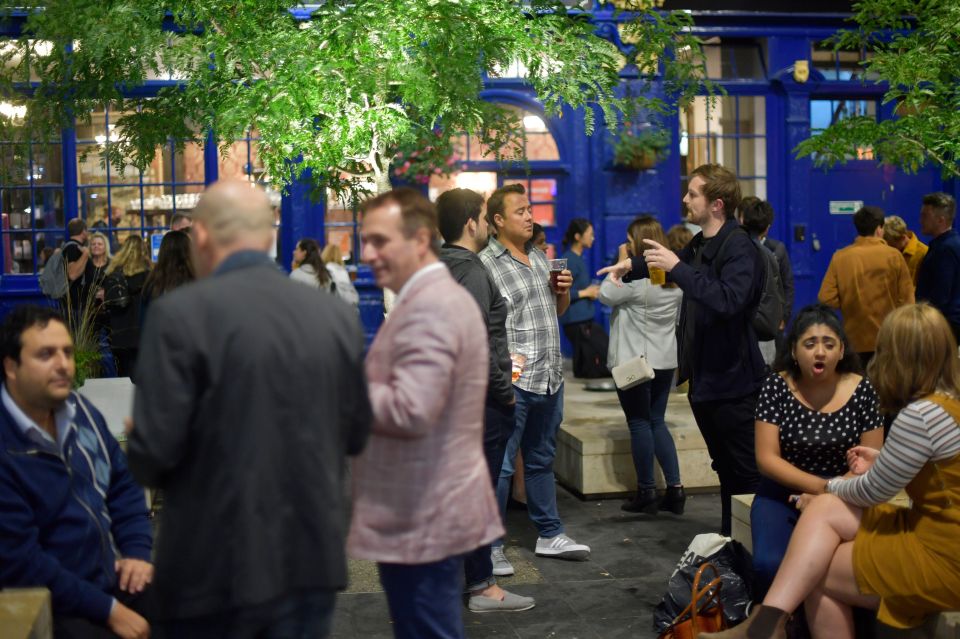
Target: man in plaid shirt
(523, 277)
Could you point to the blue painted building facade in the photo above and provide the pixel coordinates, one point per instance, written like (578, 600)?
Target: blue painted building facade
(752, 130)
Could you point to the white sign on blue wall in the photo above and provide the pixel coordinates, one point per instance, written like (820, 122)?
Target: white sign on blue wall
(845, 207)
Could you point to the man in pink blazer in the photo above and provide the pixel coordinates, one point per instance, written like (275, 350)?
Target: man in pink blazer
(422, 495)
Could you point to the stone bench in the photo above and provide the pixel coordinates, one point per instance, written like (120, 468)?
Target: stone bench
(25, 614)
(593, 446)
(945, 626)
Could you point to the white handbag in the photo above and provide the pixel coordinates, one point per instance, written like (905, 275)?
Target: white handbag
(635, 370)
(632, 372)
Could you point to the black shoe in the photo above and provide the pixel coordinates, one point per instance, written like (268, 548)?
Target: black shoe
(644, 502)
(674, 500)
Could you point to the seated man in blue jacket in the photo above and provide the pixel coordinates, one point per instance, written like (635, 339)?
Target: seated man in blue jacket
(71, 517)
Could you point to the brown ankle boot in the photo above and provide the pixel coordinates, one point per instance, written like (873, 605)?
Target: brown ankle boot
(765, 622)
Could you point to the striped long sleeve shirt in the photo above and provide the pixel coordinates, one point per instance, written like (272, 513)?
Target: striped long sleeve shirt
(922, 432)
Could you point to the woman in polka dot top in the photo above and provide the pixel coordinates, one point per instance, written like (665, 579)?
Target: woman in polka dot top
(809, 414)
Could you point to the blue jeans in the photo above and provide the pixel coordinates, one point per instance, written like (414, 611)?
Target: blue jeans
(772, 519)
(538, 419)
(645, 406)
(305, 615)
(498, 425)
(425, 599)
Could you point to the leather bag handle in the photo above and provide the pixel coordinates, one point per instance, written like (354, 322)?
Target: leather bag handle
(696, 593)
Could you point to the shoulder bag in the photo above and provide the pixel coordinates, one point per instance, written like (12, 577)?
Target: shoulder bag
(705, 612)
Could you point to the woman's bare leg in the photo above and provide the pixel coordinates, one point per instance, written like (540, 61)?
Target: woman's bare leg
(826, 523)
(828, 607)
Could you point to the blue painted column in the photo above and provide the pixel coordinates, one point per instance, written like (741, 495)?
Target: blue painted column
(68, 147)
(300, 217)
(794, 203)
(211, 160)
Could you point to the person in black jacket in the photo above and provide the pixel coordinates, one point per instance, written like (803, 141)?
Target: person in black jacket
(251, 393)
(123, 293)
(464, 230)
(720, 272)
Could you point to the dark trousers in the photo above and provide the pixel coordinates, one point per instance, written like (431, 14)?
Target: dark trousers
(590, 344)
(498, 425)
(126, 361)
(144, 604)
(425, 599)
(727, 429)
(307, 614)
(645, 407)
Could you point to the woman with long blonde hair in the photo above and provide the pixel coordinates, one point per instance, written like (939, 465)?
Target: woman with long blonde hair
(849, 547)
(99, 263)
(332, 258)
(643, 322)
(123, 286)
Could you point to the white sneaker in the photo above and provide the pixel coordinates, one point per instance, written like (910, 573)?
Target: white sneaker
(501, 567)
(561, 547)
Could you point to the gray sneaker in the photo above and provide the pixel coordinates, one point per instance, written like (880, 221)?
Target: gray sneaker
(561, 547)
(509, 603)
(501, 567)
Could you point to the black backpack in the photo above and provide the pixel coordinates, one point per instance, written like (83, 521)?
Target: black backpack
(768, 313)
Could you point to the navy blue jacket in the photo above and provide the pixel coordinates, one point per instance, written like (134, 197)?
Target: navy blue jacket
(938, 281)
(581, 309)
(722, 360)
(65, 520)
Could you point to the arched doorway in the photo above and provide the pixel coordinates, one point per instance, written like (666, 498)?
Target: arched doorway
(543, 174)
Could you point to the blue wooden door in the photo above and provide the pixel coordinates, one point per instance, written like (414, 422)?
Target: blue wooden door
(884, 186)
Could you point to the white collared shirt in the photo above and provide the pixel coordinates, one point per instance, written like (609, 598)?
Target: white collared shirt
(429, 268)
(63, 417)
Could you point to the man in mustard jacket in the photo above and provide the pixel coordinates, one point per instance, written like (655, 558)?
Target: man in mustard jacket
(866, 280)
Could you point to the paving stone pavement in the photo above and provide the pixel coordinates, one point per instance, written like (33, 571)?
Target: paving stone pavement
(610, 596)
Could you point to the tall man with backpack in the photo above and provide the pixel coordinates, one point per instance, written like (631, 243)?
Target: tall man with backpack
(724, 280)
(67, 268)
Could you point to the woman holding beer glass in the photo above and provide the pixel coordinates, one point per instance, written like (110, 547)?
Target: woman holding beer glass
(643, 322)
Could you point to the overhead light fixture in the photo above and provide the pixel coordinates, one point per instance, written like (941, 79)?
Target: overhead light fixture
(534, 124)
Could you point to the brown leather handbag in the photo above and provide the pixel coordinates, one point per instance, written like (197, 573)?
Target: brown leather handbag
(705, 612)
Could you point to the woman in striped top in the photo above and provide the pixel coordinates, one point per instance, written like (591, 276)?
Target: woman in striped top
(851, 549)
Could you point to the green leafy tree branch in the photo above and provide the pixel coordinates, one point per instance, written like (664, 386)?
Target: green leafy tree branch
(915, 47)
(338, 93)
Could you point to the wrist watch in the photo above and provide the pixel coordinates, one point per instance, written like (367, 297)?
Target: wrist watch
(828, 487)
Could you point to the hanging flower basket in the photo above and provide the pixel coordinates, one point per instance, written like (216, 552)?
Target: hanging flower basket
(640, 150)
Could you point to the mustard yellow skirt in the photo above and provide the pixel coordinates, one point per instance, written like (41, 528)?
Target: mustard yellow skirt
(911, 578)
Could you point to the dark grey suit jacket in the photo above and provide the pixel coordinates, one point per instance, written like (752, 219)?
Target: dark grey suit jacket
(251, 394)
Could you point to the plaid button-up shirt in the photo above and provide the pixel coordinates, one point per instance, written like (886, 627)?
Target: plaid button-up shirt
(532, 327)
